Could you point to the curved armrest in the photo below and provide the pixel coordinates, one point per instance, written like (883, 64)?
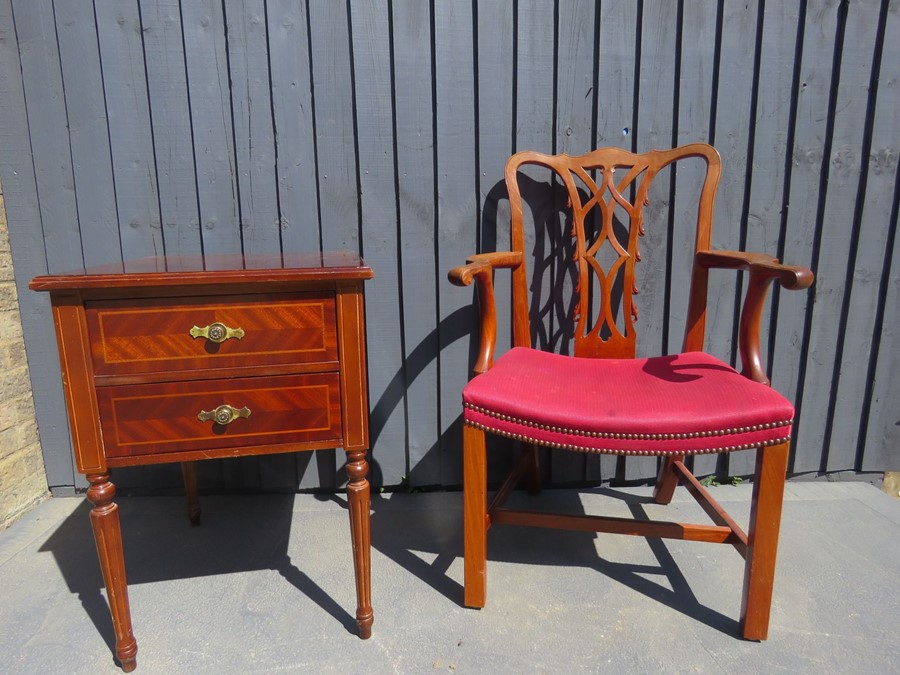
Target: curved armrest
(762, 265)
(763, 270)
(480, 267)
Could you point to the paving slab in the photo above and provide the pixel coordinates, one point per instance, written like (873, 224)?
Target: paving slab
(264, 585)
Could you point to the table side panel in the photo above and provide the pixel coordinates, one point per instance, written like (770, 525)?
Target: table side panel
(78, 386)
(354, 387)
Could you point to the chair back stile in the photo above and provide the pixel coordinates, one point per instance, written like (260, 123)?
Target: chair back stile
(590, 181)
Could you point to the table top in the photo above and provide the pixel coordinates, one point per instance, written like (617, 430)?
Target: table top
(190, 270)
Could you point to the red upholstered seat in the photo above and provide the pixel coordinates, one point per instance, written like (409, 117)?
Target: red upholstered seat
(685, 403)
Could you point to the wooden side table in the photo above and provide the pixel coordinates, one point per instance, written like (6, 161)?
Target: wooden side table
(178, 360)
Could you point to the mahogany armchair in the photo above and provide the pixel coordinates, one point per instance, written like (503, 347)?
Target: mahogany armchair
(603, 399)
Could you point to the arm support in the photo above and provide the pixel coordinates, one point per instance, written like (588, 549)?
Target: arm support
(480, 267)
(763, 270)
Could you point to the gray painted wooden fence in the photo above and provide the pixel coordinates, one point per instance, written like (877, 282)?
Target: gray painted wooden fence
(136, 127)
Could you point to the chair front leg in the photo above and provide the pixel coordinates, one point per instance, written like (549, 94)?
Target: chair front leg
(765, 521)
(475, 516)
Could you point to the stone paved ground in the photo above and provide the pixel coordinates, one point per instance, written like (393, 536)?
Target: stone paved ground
(264, 585)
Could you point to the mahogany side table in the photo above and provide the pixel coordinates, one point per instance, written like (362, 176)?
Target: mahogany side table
(184, 359)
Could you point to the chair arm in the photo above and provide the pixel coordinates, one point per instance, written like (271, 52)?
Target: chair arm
(760, 264)
(763, 270)
(480, 267)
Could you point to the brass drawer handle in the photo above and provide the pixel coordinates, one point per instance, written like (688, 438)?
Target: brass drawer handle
(217, 332)
(224, 414)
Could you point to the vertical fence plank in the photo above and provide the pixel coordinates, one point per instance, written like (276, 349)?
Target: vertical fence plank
(48, 127)
(695, 97)
(535, 105)
(171, 116)
(771, 135)
(496, 70)
(574, 134)
(495, 137)
(695, 93)
(457, 216)
(615, 88)
(50, 148)
(251, 105)
(878, 445)
(335, 133)
(853, 241)
(372, 75)
(130, 132)
(656, 100)
(617, 47)
(655, 128)
(882, 431)
(17, 174)
(95, 190)
(338, 198)
(292, 103)
(801, 232)
(411, 21)
(535, 95)
(836, 234)
(535, 108)
(207, 74)
(732, 128)
(575, 80)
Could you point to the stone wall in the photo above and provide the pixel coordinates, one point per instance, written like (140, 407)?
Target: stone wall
(23, 482)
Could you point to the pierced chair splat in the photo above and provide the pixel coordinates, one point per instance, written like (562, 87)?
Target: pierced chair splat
(603, 399)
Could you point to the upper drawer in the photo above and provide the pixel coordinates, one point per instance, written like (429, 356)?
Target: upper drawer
(166, 334)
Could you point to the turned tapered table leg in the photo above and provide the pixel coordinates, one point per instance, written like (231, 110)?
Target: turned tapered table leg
(108, 535)
(358, 499)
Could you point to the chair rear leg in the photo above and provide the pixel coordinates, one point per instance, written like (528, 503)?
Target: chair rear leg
(533, 472)
(667, 480)
(475, 516)
(765, 522)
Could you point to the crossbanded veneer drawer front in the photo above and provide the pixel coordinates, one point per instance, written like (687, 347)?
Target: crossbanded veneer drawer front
(151, 419)
(140, 336)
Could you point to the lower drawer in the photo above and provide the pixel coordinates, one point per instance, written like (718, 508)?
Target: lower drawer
(149, 419)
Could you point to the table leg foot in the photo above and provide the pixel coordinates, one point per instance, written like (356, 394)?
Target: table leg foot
(108, 537)
(365, 625)
(358, 500)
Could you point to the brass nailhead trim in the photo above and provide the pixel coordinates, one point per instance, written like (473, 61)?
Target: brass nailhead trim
(613, 451)
(625, 436)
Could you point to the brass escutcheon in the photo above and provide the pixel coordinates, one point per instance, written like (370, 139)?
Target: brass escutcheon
(224, 414)
(217, 332)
